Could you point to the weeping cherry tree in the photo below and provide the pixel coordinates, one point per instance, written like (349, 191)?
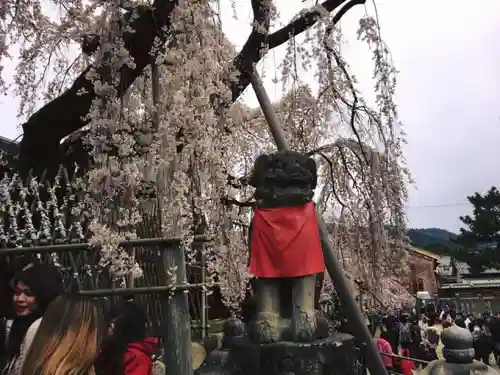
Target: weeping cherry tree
(153, 88)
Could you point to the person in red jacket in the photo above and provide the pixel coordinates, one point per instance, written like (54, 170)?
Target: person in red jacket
(407, 365)
(128, 350)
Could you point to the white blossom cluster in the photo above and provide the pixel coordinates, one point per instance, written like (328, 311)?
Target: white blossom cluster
(112, 256)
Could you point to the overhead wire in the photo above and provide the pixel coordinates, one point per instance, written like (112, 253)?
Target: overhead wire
(439, 205)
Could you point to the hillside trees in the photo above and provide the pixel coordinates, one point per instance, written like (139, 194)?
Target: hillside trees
(157, 97)
(439, 241)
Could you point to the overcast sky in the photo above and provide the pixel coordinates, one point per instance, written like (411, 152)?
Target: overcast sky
(448, 56)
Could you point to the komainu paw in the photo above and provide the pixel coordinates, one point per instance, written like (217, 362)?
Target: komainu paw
(303, 326)
(267, 328)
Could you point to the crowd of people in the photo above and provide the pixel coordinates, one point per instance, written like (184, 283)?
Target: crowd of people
(404, 334)
(44, 331)
(47, 332)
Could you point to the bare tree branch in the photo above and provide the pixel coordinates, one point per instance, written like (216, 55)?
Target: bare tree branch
(341, 65)
(301, 24)
(252, 52)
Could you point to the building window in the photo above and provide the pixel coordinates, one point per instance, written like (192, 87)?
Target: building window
(420, 285)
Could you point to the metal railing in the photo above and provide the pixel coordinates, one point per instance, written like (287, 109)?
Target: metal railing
(396, 362)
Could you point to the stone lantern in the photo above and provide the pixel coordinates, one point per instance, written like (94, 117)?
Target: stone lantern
(458, 353)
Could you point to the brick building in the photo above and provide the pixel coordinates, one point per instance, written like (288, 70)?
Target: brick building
(423, 265)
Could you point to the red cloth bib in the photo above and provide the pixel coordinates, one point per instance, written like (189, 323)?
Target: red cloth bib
(285, 242)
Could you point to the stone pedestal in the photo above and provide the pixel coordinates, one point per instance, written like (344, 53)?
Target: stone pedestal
(332, 355)
(329, 354)
(458, 353)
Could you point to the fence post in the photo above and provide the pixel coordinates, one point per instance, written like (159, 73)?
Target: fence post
(177, 331)
(130, 277)
(204, 310)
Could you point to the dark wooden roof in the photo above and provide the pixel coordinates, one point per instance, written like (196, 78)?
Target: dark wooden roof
(8, 146)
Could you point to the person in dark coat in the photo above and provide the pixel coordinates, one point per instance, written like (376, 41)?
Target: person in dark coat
(495, 336)
(392, 332)
(7, 272)
(482, 340)
(34, 287)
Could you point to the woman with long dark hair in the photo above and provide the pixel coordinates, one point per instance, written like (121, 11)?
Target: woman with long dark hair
(128, 350)
(34, 288)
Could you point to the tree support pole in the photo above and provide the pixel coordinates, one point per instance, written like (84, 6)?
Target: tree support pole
(375, 364)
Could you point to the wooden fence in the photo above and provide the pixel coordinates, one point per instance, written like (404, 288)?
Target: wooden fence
(45, 216)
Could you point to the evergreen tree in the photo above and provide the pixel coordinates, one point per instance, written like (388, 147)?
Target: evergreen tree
(479, 240)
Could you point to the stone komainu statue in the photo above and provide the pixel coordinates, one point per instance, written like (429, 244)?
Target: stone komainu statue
(285, 247)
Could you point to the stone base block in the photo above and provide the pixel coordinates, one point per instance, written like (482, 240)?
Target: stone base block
(333, 355)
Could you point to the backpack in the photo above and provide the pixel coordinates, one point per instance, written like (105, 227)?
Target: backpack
(432, 336)
(476, 334)
(479, 334)
(405, 333)
(158, 368)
